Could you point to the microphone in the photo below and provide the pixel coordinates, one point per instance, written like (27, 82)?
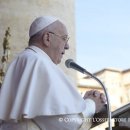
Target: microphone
(71, 64)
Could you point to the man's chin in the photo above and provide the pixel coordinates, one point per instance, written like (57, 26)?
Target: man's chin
(59, 61)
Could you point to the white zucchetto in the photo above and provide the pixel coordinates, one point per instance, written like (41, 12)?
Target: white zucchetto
(40, 23)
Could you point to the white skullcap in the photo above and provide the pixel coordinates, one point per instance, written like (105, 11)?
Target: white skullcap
(40, 23)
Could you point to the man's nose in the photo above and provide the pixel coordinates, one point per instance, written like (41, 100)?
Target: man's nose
(66, 46)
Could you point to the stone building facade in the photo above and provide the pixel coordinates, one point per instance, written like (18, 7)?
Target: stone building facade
(18, 15)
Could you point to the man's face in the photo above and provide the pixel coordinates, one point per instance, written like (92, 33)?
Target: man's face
(58, 43)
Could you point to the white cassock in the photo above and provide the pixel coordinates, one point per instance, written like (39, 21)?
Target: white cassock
(35, 88)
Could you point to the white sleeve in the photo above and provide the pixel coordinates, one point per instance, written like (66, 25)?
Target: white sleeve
(90, 108)
(88, 114)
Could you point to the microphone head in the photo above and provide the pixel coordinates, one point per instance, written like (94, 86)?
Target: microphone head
(71, 64)
(68, 62)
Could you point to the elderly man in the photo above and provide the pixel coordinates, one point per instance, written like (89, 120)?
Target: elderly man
(36, 94)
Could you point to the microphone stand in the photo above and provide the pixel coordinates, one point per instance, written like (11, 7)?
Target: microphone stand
(71, 64)
(107, 97)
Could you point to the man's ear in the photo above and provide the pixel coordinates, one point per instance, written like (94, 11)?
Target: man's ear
(46, 39)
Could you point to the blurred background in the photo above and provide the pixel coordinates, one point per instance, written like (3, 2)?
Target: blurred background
(103, 43)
